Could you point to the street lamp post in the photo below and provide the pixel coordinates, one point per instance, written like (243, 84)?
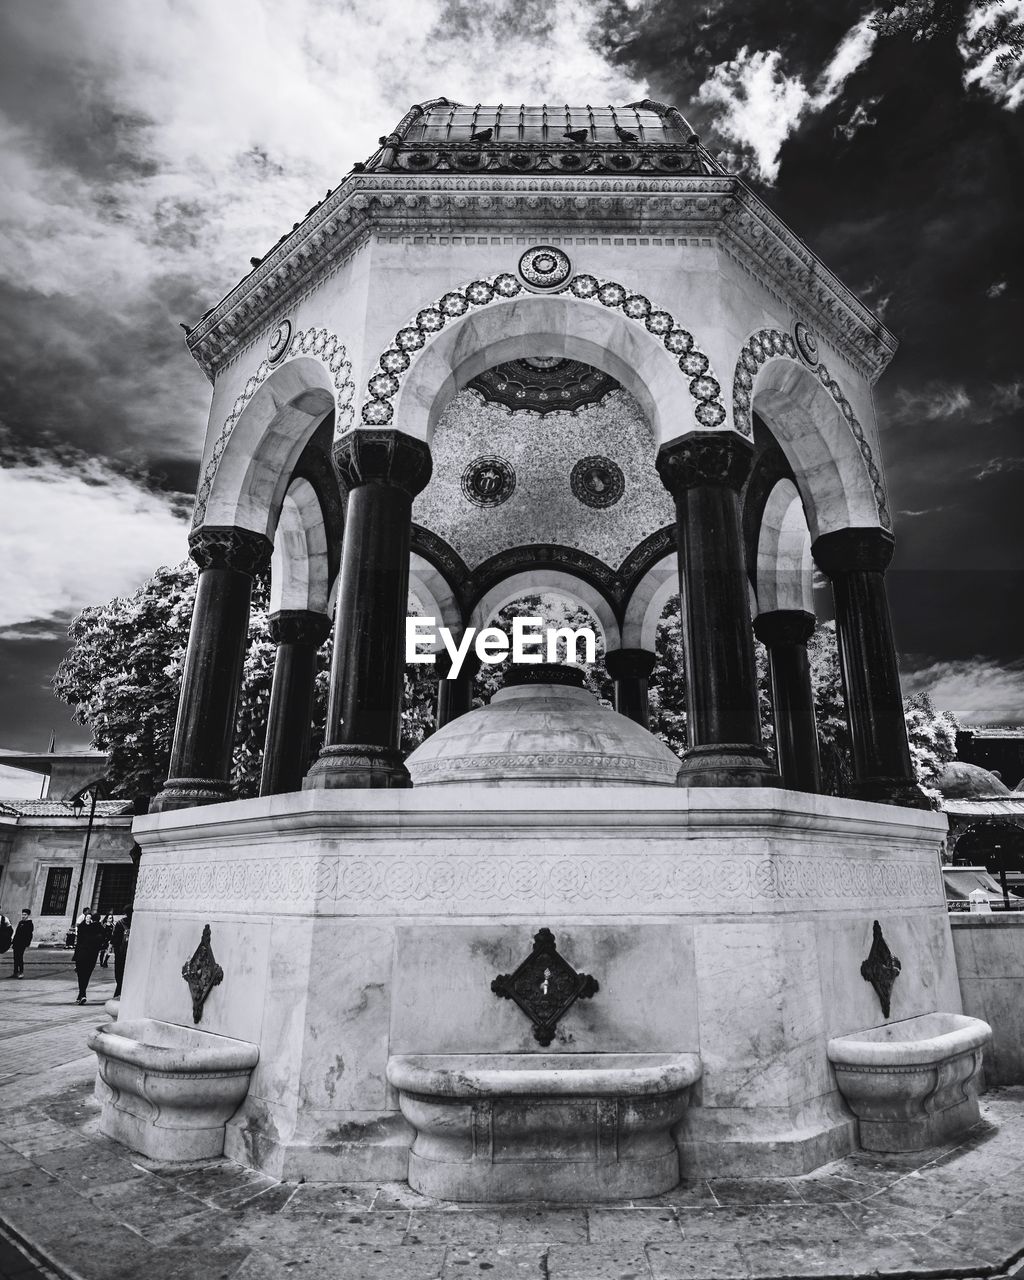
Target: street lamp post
(77, 801)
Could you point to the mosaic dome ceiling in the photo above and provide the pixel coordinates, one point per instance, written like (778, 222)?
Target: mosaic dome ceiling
(543, 384)
(584, 481)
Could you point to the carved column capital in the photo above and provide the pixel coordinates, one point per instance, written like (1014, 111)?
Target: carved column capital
(299, 626)
(784, 626)
(382, 456)
(227, 547)
(867, 549)
(629, 664)
(711, 458)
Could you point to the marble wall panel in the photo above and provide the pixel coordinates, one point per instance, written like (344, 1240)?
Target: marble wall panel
(161, 944)
(348, 1012)
(762, 1026)
(926, 982)
(443, 1001)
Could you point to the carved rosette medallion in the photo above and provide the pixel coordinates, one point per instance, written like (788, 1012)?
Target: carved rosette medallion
(881, 968)
(202, 973)
(806, 343)
(597, 481)
(545, 986)
(545, 267)
(488, 482)
(280, 341)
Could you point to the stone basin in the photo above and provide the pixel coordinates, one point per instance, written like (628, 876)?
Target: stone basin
(552, 1126)
(912, 1084)
(168, 1090)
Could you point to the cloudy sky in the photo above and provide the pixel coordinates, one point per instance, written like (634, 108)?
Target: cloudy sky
(148, 148)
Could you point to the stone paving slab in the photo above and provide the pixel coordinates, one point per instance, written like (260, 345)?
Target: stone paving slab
(95, 1211)
(79, 1206)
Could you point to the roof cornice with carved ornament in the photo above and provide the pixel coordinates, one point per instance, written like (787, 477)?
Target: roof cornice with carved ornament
(441, 204)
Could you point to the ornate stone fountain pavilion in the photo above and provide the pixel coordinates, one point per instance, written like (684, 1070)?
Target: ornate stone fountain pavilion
(697, 416)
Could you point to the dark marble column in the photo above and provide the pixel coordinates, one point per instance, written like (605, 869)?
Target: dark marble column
(704, 472)
(855, 561)
(455, 697)
(298, 634)
(784, 633)
(381, 472)
(200, 768)
(631, 669)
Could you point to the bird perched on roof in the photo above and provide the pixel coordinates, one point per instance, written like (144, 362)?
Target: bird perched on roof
(482, 135)
(625, 134)
(576, 135)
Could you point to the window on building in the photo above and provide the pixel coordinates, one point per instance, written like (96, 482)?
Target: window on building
(58, 886)
(113, 889)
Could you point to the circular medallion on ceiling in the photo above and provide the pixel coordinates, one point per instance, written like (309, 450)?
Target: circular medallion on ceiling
(806, 343)
(488, 482)
(279, 342)
(597, 481)
(545, 267)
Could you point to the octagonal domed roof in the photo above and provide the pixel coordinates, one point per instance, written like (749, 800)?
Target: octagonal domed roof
(444, 136)
(543, 733)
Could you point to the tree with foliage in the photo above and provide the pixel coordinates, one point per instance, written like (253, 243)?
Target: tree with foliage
(122, 676)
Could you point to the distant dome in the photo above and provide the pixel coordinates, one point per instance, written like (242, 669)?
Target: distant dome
(962, 781)
(543, 733)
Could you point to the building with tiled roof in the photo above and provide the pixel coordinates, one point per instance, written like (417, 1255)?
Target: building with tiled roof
(54, 845)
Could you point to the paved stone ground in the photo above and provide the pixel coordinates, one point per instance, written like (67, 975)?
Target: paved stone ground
(89, 1209)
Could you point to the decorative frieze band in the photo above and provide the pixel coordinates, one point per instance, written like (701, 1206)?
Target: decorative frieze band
(318, 343)
(769, 344)
(395, 361)
(425, 883)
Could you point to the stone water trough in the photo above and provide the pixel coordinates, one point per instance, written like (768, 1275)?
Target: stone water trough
(912, 1084)
(556, 1126)
(169, 1090)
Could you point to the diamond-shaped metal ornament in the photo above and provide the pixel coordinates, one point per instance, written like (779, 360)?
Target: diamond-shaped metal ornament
(545, 986)
(202, 973)
(881, 968)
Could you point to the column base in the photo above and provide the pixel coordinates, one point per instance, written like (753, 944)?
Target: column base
(728, 764)
(185, 793)
(358, 766)
(891, 791)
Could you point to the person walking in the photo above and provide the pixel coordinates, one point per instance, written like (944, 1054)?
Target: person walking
(119, 946)
(22, 942)
(88, 945)
(108, 930)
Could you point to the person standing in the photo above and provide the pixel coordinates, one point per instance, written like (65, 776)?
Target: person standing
(119, 946)
(6, 936)
(88, 945)
(22, 942)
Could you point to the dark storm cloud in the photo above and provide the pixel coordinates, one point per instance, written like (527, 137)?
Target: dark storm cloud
(909, 186)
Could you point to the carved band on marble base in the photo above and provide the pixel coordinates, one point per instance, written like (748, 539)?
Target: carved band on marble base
(425, 882)
(358, 765)
(183, 793)
(728, 764)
